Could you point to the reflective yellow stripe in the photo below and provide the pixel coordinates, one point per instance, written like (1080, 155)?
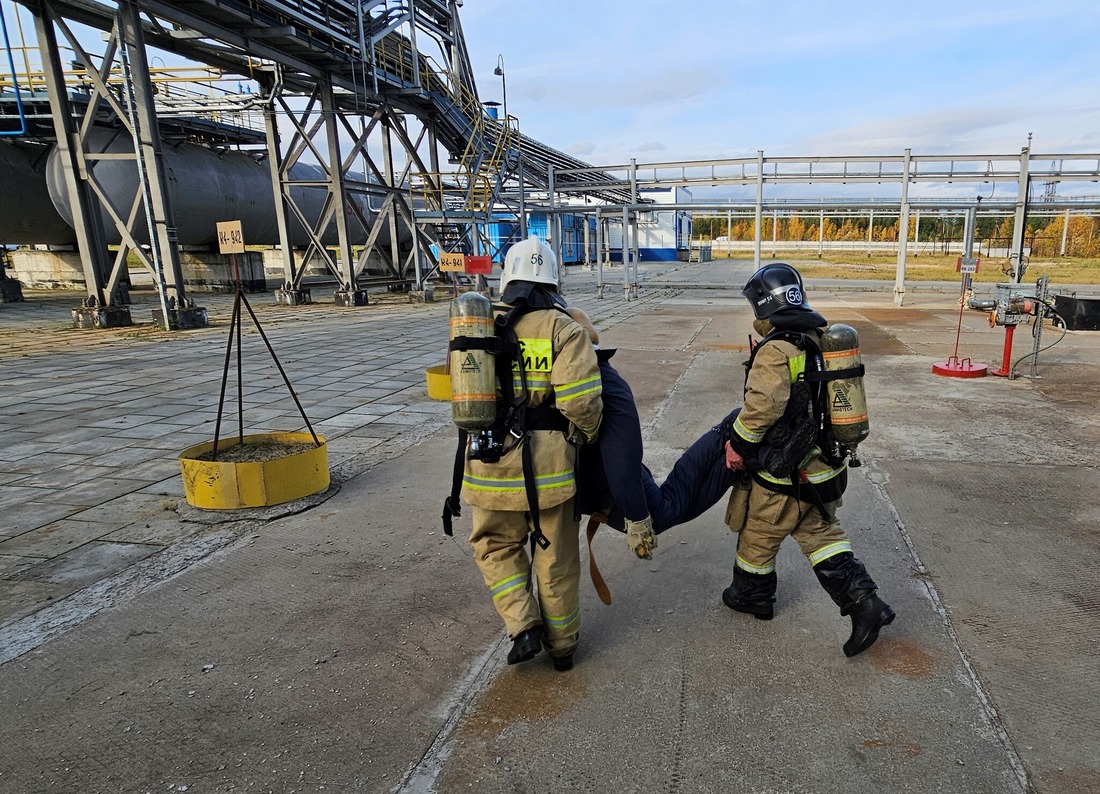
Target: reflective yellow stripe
(534, 381)
(562, 622)
(796, 366)
(569, 391)
(831, 550)
(515, 484)
(745, 433)
(828, 474)
(747, 566)
(509, 584)
(819, 477)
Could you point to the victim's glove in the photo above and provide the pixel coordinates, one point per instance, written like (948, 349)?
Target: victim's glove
(640, 538)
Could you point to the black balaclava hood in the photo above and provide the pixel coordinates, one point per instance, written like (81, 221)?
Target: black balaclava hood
(798, 320)
(535, 295)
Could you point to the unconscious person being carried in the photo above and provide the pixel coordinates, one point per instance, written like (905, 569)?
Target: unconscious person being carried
(614, 485)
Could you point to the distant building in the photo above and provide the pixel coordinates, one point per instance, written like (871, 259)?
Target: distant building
(663, 235)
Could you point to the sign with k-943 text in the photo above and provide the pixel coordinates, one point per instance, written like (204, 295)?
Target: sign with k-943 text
(230, 238)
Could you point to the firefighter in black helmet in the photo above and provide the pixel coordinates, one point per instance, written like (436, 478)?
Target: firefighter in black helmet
(801, 503)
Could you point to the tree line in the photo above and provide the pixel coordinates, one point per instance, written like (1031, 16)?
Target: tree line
(1043, 236)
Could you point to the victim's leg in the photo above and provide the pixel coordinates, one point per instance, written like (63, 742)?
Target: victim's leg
(696, 483)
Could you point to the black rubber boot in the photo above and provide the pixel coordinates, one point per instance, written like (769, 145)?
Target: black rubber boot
(852, 589)
(562, 663)
(526, 645)
(751, 593)
(868, 617)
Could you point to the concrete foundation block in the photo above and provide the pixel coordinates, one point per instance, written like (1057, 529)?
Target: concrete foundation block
(37, 269)
(91, 317)
(210, 272)
(11, 291)
(182, 319)
(293, 297)
(357, 297)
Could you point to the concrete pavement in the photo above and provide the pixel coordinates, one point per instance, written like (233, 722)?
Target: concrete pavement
(352, 646)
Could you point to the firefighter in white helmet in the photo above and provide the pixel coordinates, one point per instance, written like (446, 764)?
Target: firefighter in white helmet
(524, 486)
(798, 496)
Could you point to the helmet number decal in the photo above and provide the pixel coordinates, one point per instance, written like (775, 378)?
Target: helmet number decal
(536, 260)
(794, 296)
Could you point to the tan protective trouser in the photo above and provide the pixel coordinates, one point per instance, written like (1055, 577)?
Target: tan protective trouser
(500, 541)
(773, 516)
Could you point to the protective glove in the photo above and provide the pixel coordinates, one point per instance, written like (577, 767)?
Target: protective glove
(574, 435)
(640, 537)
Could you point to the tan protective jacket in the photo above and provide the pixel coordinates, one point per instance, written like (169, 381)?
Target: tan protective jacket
(767, 388)
(560, 365)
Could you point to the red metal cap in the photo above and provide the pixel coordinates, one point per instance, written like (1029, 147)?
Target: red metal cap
(955, 367)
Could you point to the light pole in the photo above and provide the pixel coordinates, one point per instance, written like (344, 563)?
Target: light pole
(499, 72)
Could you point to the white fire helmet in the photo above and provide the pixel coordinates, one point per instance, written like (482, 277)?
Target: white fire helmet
(530, 260)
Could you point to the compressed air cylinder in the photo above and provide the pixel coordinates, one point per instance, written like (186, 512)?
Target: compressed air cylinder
(473, 372)
(847, 400)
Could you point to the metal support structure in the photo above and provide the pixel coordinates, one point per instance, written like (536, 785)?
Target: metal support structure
(600, 221)
(86, 219)
(632, 277)
(358, 59)
(164, 249)
(149, 214)
(903, 231)
(759, 210)
(367, 56)
(337, 202)
(522, 199)
(275, 167)
(626, 251)
(1019, 224)
(970, 227)
(555, 239)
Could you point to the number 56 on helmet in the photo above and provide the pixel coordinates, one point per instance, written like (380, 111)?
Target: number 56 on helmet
(530, 260)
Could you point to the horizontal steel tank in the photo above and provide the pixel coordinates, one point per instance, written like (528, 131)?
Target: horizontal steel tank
(27, 215)
(207, 186)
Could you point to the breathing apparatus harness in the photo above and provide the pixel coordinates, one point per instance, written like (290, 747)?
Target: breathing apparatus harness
(805, 424)
(515, 418)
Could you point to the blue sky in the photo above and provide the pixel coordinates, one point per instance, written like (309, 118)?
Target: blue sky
(607, 80)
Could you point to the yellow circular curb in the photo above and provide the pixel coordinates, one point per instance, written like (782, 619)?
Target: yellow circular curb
(223, 485)
(439, 382)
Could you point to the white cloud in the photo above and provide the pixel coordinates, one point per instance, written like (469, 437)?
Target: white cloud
(714, 79)
(582, 149)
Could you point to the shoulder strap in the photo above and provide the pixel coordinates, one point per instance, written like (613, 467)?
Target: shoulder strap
(516, 412)
(796, 339)
(452, 505)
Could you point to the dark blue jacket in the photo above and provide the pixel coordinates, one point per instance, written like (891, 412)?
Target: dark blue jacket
(611, 475)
